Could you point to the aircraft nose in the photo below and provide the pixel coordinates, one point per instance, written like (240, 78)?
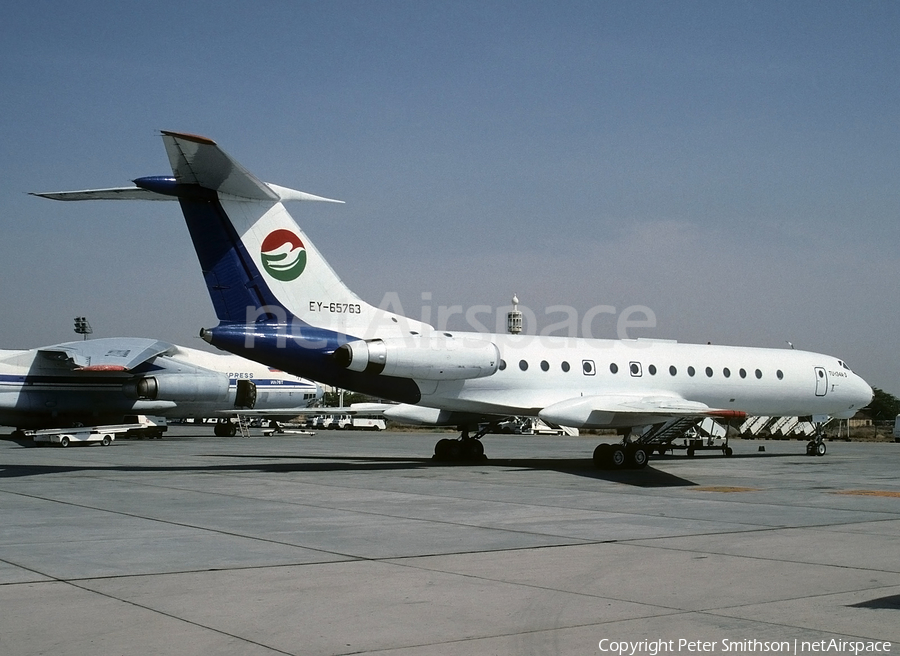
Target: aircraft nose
(862, 393)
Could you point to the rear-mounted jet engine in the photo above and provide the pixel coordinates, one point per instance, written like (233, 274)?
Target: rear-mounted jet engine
(436, 357)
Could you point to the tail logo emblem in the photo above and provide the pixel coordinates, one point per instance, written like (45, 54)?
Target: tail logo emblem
(283, 255)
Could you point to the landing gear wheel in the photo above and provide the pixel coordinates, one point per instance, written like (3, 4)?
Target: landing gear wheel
(106, 441)
(617, 457)
(811, 448)
(821, 448)
(727, 451)
(601, 455)
(224, 429)
(465, 449)
(440, 449)
(637, 456)
(454, 449)
(472, 449)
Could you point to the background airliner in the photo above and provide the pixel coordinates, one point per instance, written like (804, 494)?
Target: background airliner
(280, 303)
(99, 381)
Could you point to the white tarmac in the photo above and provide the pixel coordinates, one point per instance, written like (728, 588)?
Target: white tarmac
(349, 543)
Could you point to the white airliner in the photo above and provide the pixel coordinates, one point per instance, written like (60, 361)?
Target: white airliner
(99, 381)
(280, 303)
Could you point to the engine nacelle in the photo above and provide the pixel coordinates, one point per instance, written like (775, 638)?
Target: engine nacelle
(433, 357)
(179, 387)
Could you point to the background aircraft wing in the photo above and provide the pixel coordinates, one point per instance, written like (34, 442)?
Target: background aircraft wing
(616, 409)
(354, 409)
(112, 354)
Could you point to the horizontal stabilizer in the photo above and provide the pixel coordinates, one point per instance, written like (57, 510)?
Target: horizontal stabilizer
(196, 161)
(200, 161)
(113, 193)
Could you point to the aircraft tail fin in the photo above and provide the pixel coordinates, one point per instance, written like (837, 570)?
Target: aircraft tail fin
(257, 262)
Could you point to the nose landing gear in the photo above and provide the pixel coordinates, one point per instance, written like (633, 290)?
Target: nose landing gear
(816, 446)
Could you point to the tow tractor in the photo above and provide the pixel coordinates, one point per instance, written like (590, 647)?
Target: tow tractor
(105, 435)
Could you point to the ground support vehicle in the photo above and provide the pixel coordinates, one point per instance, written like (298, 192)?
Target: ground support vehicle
(105, 435)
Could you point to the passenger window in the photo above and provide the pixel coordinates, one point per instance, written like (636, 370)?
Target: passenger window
(743, 373)
(545, 366)
(635, 368)
(565, 366)
(673, 370)
(691, 371)
(523, 365)
(780, 374)
(613, 367)
(587, 366)
(758, 373)
(709, 371)
(652, 369)
(502, 365)
(726, 372)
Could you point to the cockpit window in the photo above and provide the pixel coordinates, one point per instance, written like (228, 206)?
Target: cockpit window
(844, 365)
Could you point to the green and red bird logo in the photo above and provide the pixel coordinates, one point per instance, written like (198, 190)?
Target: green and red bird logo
(283, 255)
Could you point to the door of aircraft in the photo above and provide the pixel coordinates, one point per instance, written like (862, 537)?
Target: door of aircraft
(821, 381)
(245, 395)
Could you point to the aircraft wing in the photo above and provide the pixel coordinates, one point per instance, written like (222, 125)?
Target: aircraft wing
(114, 354)
(113, 193)
(599, 411)
(269, 412)
(354, 409)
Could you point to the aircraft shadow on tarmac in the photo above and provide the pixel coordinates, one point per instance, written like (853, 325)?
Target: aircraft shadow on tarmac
(891, 602)
(648, 477)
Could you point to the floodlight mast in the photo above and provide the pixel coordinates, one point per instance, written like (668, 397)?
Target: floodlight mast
(83, 327)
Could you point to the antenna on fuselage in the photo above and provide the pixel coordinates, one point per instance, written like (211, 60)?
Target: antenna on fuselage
(514, 318)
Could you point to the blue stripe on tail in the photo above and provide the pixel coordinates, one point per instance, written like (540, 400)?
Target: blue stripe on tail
(233, 281)
(231, 276)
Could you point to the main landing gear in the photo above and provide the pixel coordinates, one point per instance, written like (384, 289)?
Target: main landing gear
(627, 455)
(225, 428)
(462, 449)
(816, 446)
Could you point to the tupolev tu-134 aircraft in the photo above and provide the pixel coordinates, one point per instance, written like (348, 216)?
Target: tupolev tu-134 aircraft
(100, 381)
(280, 303)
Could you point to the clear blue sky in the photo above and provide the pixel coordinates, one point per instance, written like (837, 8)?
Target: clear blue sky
(731, 165)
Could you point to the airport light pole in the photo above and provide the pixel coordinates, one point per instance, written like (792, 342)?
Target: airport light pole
(82, 327)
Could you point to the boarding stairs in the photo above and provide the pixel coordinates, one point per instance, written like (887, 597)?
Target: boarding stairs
(778, 427)
(659, 436)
